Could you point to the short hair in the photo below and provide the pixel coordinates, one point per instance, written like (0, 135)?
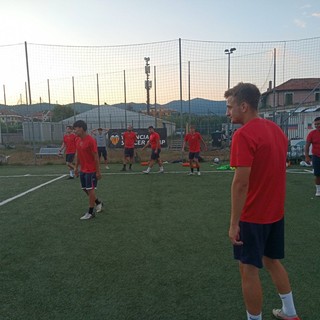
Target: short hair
(69, 127)
(316, 119)
(80, 124)
(245, 92)
(150, 127)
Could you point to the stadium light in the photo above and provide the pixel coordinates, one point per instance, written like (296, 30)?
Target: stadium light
(229, 52)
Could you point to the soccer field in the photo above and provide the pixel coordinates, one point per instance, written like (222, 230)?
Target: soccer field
(159, 250)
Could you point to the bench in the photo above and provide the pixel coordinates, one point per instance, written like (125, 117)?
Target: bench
(48, 152)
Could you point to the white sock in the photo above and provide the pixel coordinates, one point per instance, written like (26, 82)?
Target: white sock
(71, 173)
(287, 304)
(318, 187)
(252, 317)
(148, 169)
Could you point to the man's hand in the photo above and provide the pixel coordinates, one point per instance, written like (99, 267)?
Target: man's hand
(234, 235)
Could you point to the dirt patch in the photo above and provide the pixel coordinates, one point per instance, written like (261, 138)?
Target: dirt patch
(25, 155)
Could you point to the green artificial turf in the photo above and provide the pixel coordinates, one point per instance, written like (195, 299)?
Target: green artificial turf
(159, 250)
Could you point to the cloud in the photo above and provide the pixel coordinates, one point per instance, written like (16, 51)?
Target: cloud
(316, 14)
(299, 23)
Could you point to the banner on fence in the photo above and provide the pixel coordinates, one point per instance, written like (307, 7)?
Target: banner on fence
(115, 139)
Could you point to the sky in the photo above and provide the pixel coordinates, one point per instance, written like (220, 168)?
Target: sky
(117, 22)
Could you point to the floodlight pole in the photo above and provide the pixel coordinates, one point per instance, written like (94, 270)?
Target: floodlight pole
(147, 83)
(229, 52)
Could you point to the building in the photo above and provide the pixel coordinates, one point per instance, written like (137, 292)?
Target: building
(293, 94)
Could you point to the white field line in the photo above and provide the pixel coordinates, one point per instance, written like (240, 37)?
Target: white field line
(30, 190)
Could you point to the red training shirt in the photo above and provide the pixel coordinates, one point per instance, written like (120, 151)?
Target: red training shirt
(261, 145)
(314, 138)
(129, 139)
(154, 138)
(70, 143)
(194, 141)
(86, 148)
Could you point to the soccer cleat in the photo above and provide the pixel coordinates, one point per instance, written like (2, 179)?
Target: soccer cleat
(190, 174)
(123, 169)
(278, 313)
(107, 168)
(318, 194)
(69, 178)
(87, 216)
(146, 172)
(99, 207)
(199, 173)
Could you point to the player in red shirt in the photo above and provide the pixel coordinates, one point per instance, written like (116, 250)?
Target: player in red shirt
(155, 144)
(194, 139)
(88, 161)
(69, 145)
(129, 139)
(258, 152)
(313, 139)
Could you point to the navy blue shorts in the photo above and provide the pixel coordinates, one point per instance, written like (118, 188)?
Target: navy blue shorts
(194, 155)
(155, 156)
(102, 151)
(316, 165)
(70, 157)
(260, 240)
(88, 180)
(129, 152)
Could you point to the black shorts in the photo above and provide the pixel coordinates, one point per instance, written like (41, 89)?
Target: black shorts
(88, 180)
(155, 156)
(194, 155)
(260, 240)
(129, 152)
(316, 165)
(70, 157)
(102, 151)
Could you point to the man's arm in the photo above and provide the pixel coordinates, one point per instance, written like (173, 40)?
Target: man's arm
(239, 189)
(306, 152)
(146, 145)
(62, 147)
(204, 144)
(97, 162)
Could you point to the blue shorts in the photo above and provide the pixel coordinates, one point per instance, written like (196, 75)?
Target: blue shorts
(194, 155)
(155, 156)
(316, 165)
(102, 151)
(88, 180)
(70, 157)
(260, 240)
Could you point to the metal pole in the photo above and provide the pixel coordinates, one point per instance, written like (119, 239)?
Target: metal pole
(49, 98)
(125, 97)
(229, 70)
(30, 100)
(189, 93)
(98, 95)
(74, 100)
(155, 97)
(274, 84)
(28, 73)
(26, 90)
(4, 95)
(180, 76)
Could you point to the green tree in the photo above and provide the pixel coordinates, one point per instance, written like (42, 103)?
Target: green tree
(61, 112)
